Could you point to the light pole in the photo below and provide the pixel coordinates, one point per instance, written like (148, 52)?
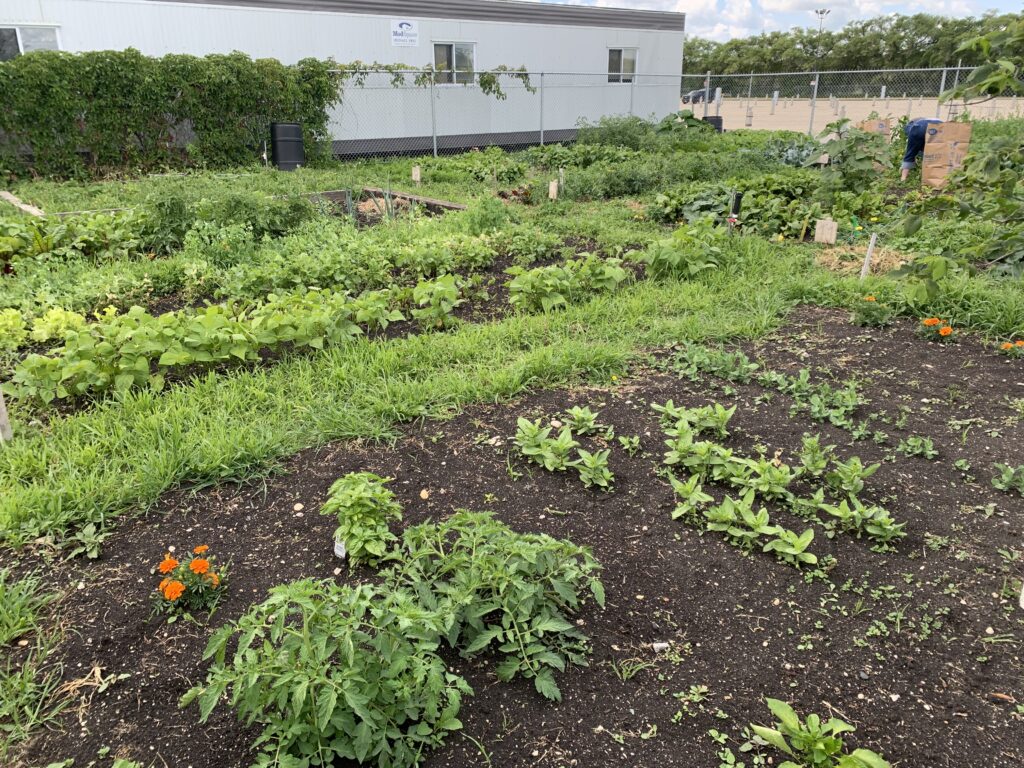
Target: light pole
(821, 13)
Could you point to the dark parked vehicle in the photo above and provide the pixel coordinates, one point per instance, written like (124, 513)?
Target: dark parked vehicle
(694, 97)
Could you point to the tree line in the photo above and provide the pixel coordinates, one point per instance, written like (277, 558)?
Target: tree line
(885, 42)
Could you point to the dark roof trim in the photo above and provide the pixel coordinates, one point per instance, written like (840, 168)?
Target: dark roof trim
(478, 10)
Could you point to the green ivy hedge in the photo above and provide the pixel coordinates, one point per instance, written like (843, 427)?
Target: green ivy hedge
(81, 114)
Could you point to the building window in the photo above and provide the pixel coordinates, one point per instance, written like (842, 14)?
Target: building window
(453, 62)
(18, 40)
(621, 65)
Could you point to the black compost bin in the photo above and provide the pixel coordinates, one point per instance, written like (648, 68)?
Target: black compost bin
(286, 146)
(715, 122)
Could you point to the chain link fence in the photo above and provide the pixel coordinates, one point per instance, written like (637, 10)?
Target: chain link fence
(416, 112)
(807, 101)
(424, 112)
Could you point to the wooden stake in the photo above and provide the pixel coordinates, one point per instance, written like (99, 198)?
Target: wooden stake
(5, 423)
(866, 268)
(561, 179)
(416, 174)
(553, 189)
(31, 210)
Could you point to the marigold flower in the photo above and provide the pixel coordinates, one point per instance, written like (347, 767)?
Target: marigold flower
(869, 298)
(200, 549)
(945, 330)
(174, 590)
(931, 321)
(1006, 345)
(1019, 343)
(163, 583)
(214, 579)
(168, 564)
(199, 565)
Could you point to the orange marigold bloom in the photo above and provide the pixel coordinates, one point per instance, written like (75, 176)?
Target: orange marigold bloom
(1006, 345)
(869, 298)
(1019, 343)
(931, 321)
(163, 583)
(214, 579)
(945, 331)
(200, 549)
(168, 564)
(199, 565)
(174, 590)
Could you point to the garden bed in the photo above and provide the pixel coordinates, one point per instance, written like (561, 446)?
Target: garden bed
(918, 647)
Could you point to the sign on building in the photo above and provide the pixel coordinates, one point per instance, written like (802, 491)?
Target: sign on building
(405, 33)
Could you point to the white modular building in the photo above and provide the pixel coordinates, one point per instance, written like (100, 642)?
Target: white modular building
(584, 62)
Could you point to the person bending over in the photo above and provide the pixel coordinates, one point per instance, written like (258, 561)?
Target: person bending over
(916, 131)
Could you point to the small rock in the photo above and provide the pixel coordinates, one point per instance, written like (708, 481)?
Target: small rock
(894, 696)
(337, 571)
(424, 494)
(659, 647)
(299, 507)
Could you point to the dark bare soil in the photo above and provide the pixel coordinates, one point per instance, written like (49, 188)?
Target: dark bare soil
(919, 648)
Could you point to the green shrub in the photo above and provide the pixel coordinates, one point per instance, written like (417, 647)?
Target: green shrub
(120, 110)
(13, 331)
(691, 250)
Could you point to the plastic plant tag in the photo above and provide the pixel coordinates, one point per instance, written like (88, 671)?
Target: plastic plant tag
(339, 549)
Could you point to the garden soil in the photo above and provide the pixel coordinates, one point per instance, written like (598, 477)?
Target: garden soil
(919, 648)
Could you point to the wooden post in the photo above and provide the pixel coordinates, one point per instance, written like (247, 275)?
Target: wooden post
(866, 268)
(5, 423)
(416, 174)
(561, 179)
(31, 210)
(553, 189)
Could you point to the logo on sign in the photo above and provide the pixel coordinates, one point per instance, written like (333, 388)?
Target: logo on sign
(405, 34)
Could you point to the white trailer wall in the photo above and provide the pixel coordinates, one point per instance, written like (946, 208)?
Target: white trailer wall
(158, 28)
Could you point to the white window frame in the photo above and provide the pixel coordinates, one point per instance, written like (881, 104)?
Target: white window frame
(453, 43)
(620, 74)
(21, 44)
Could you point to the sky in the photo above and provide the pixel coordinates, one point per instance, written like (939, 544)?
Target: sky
(726, 19)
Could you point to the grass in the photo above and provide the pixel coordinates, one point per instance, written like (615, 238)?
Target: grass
(26, 688)
(123, 454)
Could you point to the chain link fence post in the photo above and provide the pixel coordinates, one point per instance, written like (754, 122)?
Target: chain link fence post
(707, 92)
(433, 113)
(542, 109)
(942, 87)
(814, 101)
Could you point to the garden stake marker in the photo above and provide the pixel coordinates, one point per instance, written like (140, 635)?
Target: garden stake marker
(867, 256)
(553, 189)
(5, 423)
(416, 174)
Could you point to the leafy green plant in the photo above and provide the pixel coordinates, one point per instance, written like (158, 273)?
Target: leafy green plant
(535, 444)
(918, 446)
(497, 589)
(581, 420)
(593, 469)
(737, 519)
(791, 547)
(692, 498)
(55, 323)
(374, 310)
(853, 516)
(13, 331)
(630, 444)
(436, 301)
(335, 672)
(871, 313)
(691, 250)
(813, 743)
(1009, 478)
(770, 479)
(814, 457)
(849, 476)
(363, 507)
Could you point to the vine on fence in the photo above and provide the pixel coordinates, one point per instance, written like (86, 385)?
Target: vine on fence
(81, 114)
